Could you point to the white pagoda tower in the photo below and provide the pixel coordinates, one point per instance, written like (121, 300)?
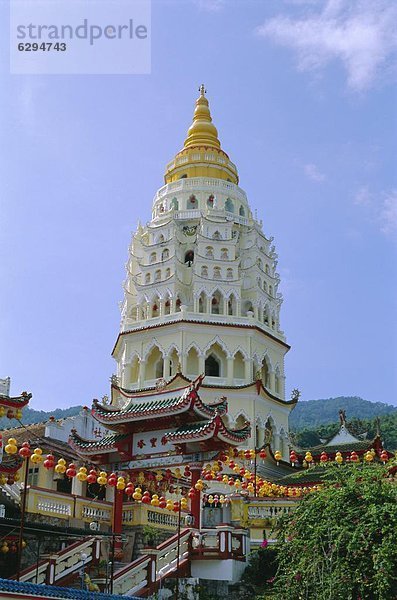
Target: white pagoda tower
(201, 294)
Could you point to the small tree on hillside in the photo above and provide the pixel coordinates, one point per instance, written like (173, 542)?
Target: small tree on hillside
(340, 542)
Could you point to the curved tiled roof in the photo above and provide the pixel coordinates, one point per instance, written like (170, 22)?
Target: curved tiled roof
(164, 404)
(15, 401)
(214, 427)
(106, 444)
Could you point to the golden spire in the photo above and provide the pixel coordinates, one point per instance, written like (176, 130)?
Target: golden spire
(201, 155)
(202, 131)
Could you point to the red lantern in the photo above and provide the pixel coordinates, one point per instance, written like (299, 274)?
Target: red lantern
(129, 490)
(112, 479)
(293, 457)
(92, 476)
(175, 508)
(162, 502)
(49, 462)
(192, 492)
(10, 413)
(219, 477)
(146, 498)
(262, 454)
(232, 464)
(384, 456)
(25, 451)
(247, 454)
(354, 457)
(324, 457)
(71, 471)
(208, 476)
(242, 471)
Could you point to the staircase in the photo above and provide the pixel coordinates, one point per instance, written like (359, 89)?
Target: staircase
(143, 576)
(56, 568)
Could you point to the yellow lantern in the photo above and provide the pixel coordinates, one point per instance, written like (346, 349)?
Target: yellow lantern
(222, 499)
(11, 447)
(3, 479)
(36, 457)
(18, 413)
(199, 485)
(137, 495)
(60, 467)
(308, 458)
(368, 457)
(210, 499)
(2, 411)
(82, 474)
(169, 505)
(141, 477)
(339, 458)
(5, 548)
(278, 456)
(237, 484)
(183, 503)
(120, 483)
(155, 500)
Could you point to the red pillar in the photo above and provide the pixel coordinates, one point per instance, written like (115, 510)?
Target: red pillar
(117, 523)
(195, 503)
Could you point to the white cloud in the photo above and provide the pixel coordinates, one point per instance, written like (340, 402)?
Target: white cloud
(363, 197)
(210, 5)
(380, 209)
(313, 173)
(359, 33)
(388, 214)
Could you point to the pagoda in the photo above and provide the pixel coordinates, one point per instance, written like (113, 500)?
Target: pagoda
(200, 351)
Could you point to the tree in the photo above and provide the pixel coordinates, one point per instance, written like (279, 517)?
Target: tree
(339, 543)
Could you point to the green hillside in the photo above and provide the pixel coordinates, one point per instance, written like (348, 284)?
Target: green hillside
(29, 415)
(313, 413)
(316, 420)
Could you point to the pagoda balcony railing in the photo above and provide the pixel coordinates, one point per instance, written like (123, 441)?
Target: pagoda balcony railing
(210, 184)
(130, 324)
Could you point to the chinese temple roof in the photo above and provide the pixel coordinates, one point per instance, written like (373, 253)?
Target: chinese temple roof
(159, 405)
(15, 401)
(204, 430)
(106, 445)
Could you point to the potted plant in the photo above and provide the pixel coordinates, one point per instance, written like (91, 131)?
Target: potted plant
(150, 536)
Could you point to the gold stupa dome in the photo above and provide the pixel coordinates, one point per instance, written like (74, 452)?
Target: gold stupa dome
(201, 155)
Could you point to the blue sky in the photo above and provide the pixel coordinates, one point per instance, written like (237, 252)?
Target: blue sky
(303, 96)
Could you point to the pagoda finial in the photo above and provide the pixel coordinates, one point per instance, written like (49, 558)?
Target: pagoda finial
(202, 131)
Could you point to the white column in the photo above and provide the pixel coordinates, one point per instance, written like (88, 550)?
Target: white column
(229, 374)
(272, 381)
(142, 373)
(166, 367)
(201, 364)
(248, 369)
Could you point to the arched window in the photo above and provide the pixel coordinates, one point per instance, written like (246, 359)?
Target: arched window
(156, 308)
(178, 304)
(247, 307)
(154, 364)
(225, 253)
(259, 263)
(212, 366)
(189, 258)
(229, 206)
(217, 272)
(159, 368)
(160, 239)
(184, 176)
(270, 290)
(147, 278)
(229, 273)
(165, 254)
(167, 273)
(153, 258)
(167, 307)
(241, 212)
(204, 271)
(216, 304)
(238, 366)
(217, 235)
(265, 286)
(174, 204)
(202, 303)
(267, 269)
(157, 275)
(265, 373)
(209, 252)
(192, 362)
(192, 202)
(231, 305)
(211, 201)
